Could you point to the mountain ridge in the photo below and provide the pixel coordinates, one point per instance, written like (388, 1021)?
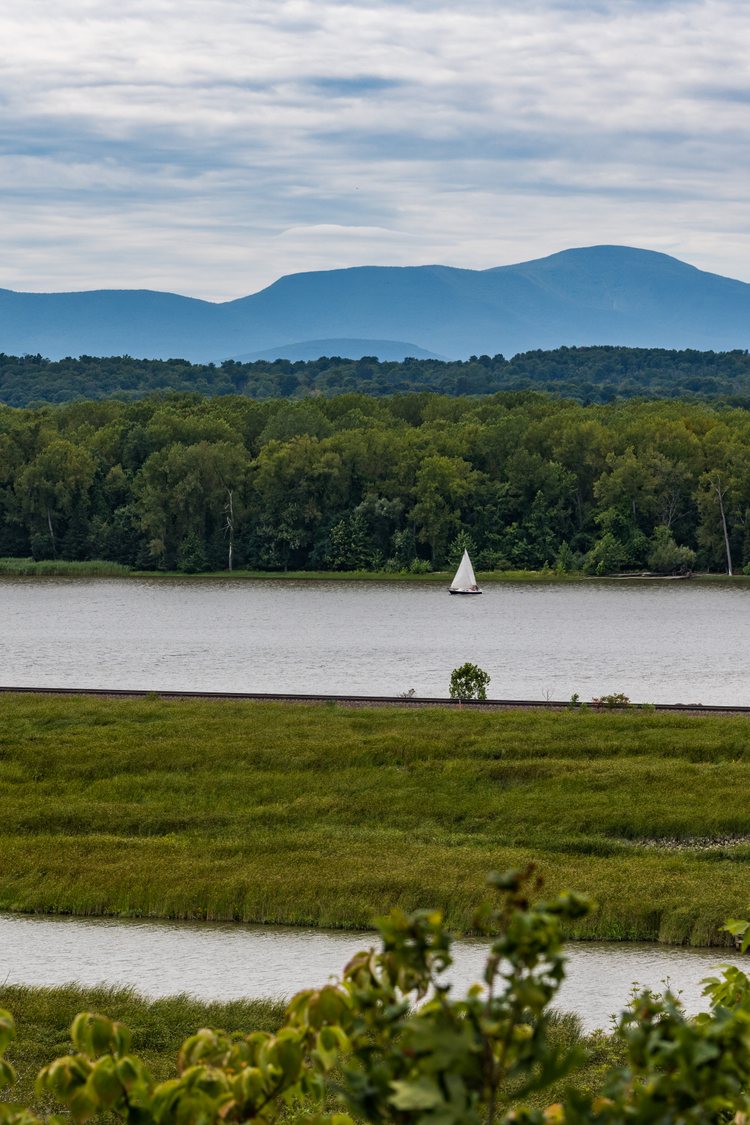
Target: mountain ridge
(581, 296)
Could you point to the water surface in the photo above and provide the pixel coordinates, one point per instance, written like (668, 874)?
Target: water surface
(672, 642)
(223, 962)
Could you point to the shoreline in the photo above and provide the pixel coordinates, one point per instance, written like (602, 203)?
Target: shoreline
(405, 701)
(28, 568)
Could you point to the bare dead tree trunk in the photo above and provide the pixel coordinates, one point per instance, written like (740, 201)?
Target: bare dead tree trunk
(229, 527)
(51, 533)
(720, 493)
(670, 504)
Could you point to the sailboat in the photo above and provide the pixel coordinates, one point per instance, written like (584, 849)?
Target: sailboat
(464, 581)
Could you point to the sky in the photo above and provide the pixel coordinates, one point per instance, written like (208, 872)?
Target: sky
(207, 147)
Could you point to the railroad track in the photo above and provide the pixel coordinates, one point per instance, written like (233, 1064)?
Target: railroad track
(369, 700)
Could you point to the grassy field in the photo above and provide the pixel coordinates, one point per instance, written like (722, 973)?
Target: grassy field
(325, 815)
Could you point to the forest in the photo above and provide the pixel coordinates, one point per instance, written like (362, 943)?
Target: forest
(399, 483)
(588, 375)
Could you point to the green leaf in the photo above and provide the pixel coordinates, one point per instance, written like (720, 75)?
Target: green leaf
(329, 1043)
(424, 1093)
(7, 1030)
(92, 1034)
(105, 1083)
(509, 880)
(7, 1074)
(736, 926)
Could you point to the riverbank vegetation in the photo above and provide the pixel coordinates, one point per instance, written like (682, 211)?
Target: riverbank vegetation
(61, 568)
(397, 484)
(326, 815)
(386, 1043)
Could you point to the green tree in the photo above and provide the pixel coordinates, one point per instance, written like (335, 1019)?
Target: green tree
(53, 485)
(350, 547)
(462, 542)
(469, 682)
(442, 485)
(294, 486)
(183, 490)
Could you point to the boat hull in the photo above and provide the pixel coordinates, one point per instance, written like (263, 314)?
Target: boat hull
(465, 593)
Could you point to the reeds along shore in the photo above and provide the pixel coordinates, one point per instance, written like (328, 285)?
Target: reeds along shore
(49, 568)
(326, 815)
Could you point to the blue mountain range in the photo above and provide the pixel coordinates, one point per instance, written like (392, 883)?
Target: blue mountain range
(592, 295)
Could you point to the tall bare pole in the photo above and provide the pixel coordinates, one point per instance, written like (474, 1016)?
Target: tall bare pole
(720, 489)
(229, 526)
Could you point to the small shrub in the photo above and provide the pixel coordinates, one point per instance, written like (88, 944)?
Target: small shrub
(612, 701)
(469, 682)
(665, 557)
(566, 560)
(607, 556)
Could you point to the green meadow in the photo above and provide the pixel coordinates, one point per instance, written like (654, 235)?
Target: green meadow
(326, 815)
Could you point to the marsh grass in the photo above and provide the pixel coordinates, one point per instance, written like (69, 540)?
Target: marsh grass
(25, 567)
(43, 1017)
(59, 568)
(325, 815)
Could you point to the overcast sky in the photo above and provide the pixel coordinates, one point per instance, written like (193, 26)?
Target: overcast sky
(209, 146)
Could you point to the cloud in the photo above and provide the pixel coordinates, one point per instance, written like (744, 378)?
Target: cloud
(209, 149)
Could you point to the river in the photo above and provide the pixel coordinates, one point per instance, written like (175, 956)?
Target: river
(660, 642)
(222, 962)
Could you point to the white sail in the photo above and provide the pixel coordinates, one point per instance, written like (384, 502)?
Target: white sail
(464, 578)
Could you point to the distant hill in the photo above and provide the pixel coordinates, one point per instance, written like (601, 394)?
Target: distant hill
(595, 295)
(348, 349)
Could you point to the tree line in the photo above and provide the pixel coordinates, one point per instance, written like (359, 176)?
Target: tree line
(592, 374)
(359, 482)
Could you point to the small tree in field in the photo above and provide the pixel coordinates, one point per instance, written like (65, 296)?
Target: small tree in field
(469, 682)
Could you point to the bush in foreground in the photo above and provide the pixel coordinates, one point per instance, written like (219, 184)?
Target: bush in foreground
(364, 1044)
